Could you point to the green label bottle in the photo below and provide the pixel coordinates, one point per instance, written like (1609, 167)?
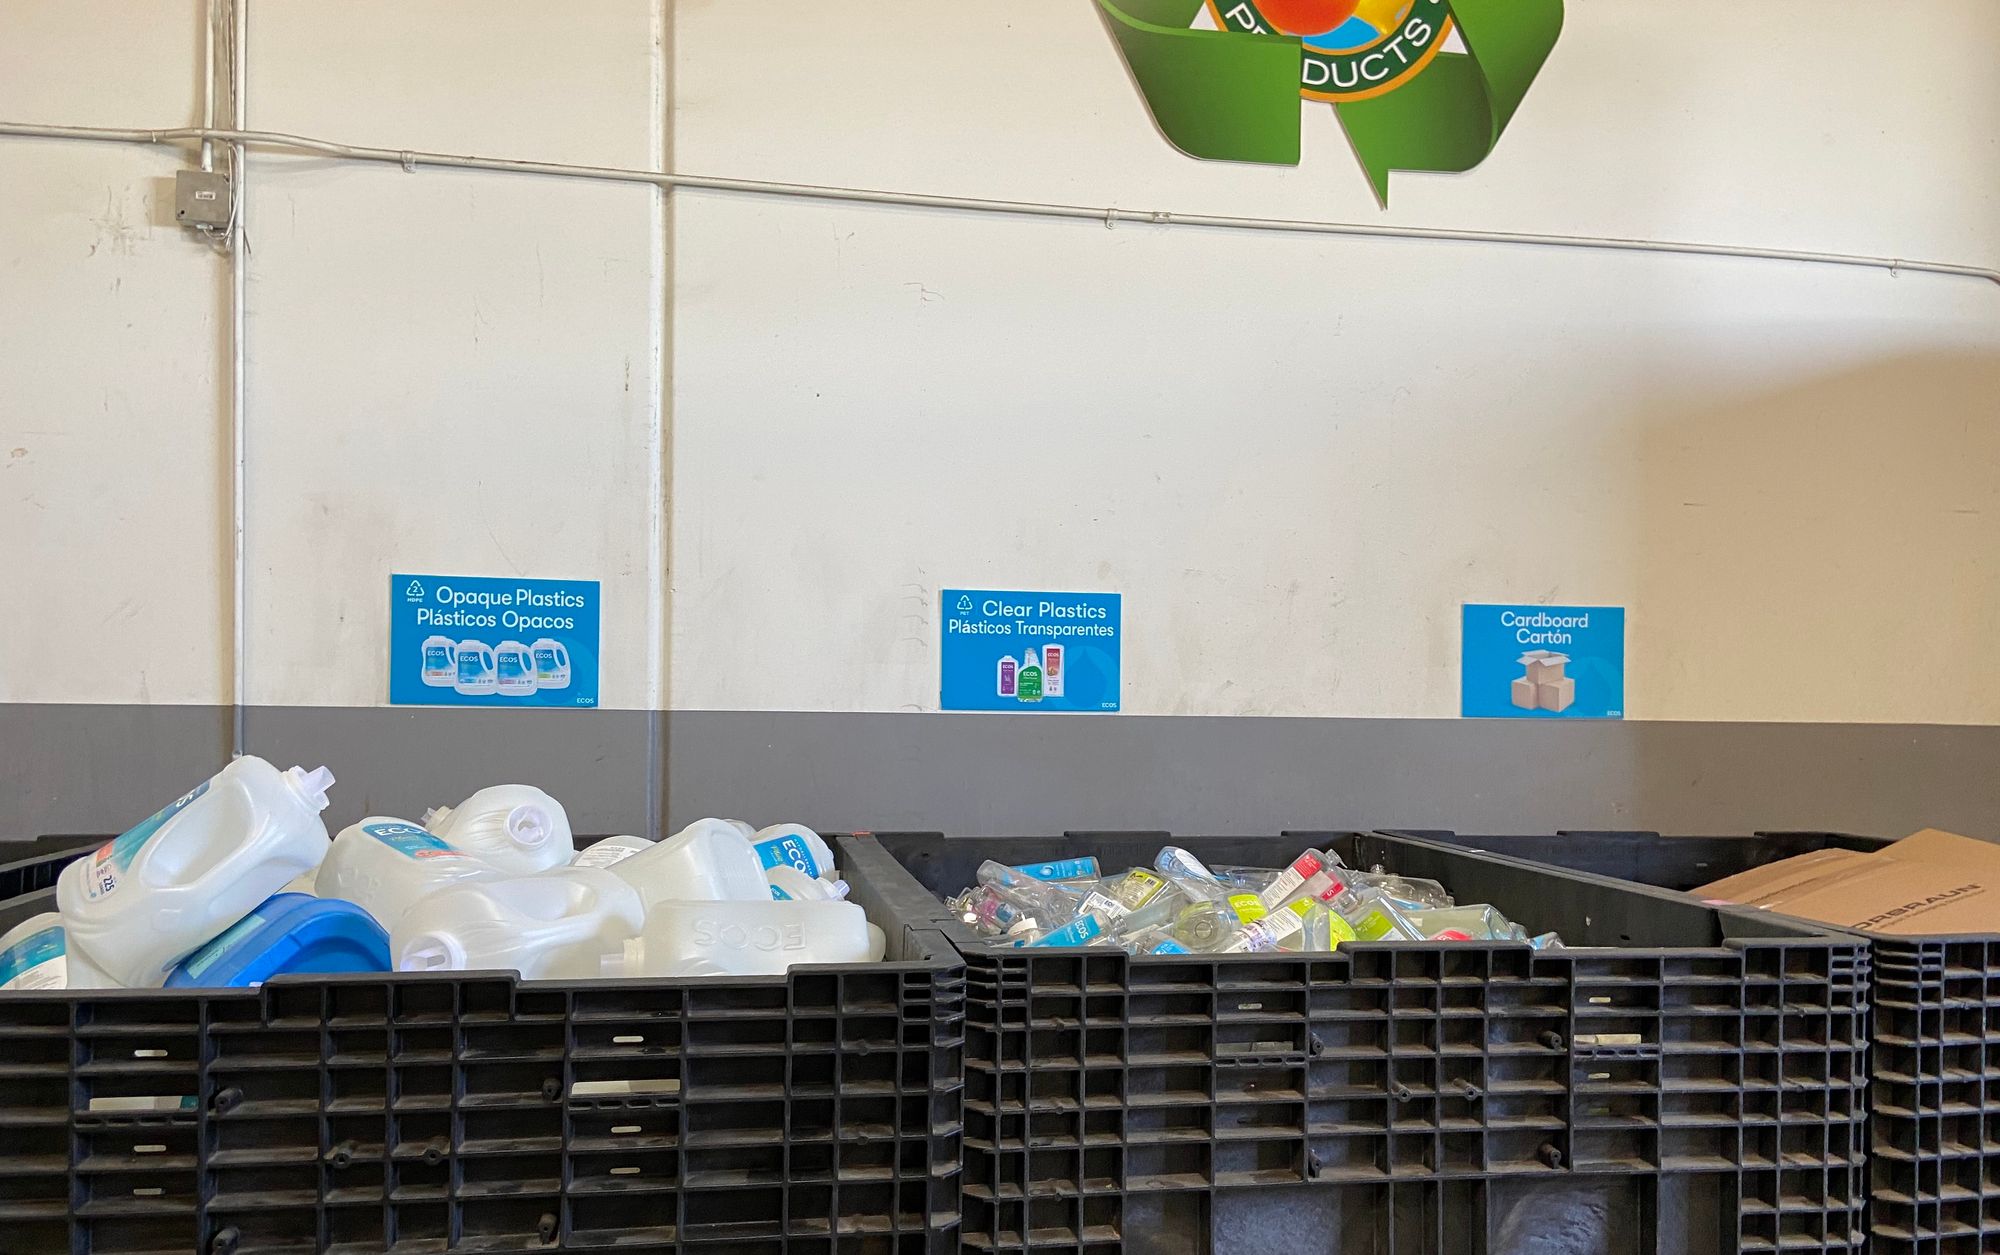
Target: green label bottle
(1028, 684)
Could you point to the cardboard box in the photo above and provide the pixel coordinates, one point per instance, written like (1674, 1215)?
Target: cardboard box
(1557, 695)
(1527, 694)
(1929, 883)
(1543, 666)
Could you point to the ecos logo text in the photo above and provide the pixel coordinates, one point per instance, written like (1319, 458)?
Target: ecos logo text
(1416, 84)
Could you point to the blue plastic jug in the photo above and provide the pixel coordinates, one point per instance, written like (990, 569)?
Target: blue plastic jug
(290, 932)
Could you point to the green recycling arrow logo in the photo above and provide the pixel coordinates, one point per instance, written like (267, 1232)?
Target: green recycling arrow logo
(1405, 100)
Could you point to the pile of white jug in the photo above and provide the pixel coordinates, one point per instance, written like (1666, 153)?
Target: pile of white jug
(200, 890)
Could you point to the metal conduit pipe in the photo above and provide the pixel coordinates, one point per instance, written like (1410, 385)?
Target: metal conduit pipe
(410, 159)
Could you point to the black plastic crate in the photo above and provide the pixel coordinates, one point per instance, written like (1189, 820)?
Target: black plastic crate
(1693, 1092)
(1934, 1091)
(816, 1112)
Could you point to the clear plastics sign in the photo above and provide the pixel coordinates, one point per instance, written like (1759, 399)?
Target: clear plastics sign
(1028, 652)
(470, 640)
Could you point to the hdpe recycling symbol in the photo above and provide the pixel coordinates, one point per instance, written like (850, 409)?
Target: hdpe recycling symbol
(415, 592)
(1404, 99)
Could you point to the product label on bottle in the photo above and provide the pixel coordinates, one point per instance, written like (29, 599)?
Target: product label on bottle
(1289, 880)
(35, 961)
(513, 666)
(1248, 907)
(545, 664)
(114, 858)
(1137, 888)
(437, 659)
(1167, 945)
(198, 963)
(1105, 907)
(788, 851)
(1451, 934)
(777, 894)
(1080, 931)
(1338, 929)
(1052, 671)
(605, 853)
(471, 665)
(1062, 869)
(1374, 926)
(411, 841)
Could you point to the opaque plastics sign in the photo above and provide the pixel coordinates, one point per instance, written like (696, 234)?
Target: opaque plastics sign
(468, 640)
(1542, 662)
(1005, 650)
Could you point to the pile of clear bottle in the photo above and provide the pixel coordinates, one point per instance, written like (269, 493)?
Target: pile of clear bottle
(1180, 905)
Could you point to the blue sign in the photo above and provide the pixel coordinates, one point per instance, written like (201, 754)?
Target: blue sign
(1027, 651)
(1542, 662)
(465, 640)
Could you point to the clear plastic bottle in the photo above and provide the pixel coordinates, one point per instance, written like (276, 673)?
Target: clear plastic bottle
(515, 827)
(743, 939)
(386, 865)
(552, 925)
(150, 897)
(707, 861)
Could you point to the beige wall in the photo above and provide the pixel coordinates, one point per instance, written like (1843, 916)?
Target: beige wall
(1295, 456)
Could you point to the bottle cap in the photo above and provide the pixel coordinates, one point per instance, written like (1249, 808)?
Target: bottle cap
(628, 960)
(435, 818)
(432, 952)
(311, 785)
(528, 824)
(838, 890)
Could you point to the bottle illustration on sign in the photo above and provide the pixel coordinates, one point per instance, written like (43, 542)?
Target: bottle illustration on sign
(440, 662)
(551, 664)
(1028, 683)
(513, 669)
(1544, 686)
(1052, 670)
(477, 672)
(1009, 672)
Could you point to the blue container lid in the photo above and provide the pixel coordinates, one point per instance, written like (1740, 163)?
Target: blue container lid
(289, 932)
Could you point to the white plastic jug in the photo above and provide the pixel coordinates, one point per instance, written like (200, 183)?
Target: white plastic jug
(513, 669)
(796, 845)
(385, 865)
(551, 663)
(477, 671)
(151, 896)
(789, 884)
(556, 925)
(440, 662)
(707, 861)
(742, 939)
(31, 954)
(515, 827)
(610, 850)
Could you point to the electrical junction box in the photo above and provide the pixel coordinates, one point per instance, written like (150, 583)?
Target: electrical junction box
(201, 198)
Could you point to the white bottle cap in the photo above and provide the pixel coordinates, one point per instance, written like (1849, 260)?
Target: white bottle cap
(627, 961)
(838, 890)
(748, 832)
(529, 825)
(311, 785)
(435, 818)
(431, 952)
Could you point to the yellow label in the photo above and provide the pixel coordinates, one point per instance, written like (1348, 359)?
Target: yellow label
(1248, 907)
(1375, 926)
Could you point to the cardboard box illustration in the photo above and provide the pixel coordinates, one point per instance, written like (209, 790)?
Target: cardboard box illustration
(1544, 686)
(1543, 666)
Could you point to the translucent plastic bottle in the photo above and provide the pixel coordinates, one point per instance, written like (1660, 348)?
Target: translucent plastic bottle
(797, 845)
(554, 925)
(789, 884)
(31, 954)
(707, 861)
(148, 898)
(744, 939)
(513, 669)
(515, 827)
(608, 851)
(385, 865)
